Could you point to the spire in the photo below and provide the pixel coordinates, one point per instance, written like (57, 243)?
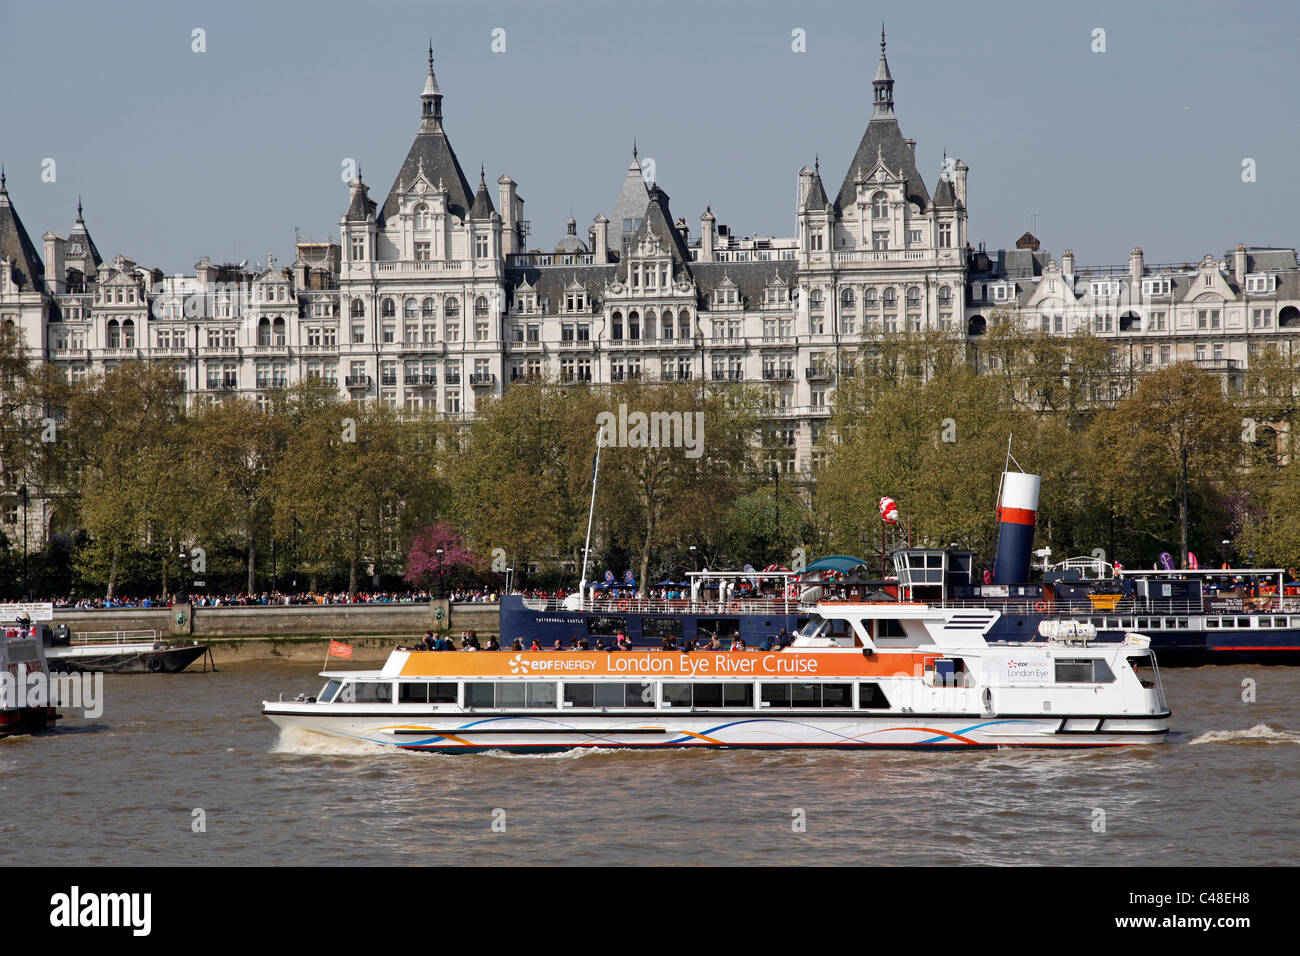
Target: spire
(431, 99)
(2, 181)
(79, 219)
(634, 150)
(883, 85)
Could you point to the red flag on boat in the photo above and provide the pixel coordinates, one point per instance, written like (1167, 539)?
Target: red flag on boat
(340, 650)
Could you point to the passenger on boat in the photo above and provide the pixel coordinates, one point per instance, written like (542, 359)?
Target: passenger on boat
(428, 641)
(738, 643)
(767, 644)
(623, 643)
(559, 644)
(493, 645)
(518, 645)
(534, 646)
(669, 643)
(582, 645)
(688, 645)
(714, 643)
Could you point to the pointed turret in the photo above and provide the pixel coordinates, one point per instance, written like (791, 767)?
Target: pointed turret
(15, 245)
(431, 154)
(883, 142)
(482, 208)
(630, 208)
(883, 85)
(360, 205)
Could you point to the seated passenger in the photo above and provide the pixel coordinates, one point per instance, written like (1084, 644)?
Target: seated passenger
(518, 645)
(428, 641)
(492, 644)
(534, 646)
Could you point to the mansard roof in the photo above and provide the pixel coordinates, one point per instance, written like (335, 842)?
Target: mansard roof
(752, 278)
(15, 245)
(883, 140)
(82, 234)
(551, 284)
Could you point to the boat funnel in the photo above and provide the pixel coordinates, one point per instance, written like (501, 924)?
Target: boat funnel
(1017, 513)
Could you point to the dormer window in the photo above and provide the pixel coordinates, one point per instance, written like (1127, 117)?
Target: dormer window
(1002, 291)
(1159, 286)
(1261, 284)
(1105, 289)
(880, 206)
(422, 218)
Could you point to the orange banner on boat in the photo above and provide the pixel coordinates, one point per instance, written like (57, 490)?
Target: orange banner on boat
(340, 650)
(634, 664)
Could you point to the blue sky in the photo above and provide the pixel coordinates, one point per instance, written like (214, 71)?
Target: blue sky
(180, 154)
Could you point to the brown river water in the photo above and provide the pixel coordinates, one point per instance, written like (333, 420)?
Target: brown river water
(123, 788)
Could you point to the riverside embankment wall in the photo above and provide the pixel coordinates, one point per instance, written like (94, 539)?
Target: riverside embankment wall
(287, 631)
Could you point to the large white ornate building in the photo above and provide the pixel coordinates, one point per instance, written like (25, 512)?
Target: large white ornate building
(431, 300)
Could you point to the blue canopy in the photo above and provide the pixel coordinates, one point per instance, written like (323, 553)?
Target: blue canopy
(835, 562)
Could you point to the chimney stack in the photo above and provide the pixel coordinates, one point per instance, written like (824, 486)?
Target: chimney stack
(1135, 267)
(707, 219)
(599, 247)
(1239, 265)
(55, 272)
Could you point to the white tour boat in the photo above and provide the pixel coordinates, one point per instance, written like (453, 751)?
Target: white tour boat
(873, 675)
(22, 665)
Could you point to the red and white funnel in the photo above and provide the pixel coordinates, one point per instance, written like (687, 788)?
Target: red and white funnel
(1017, 515)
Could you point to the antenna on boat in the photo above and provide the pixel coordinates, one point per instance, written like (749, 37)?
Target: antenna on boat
(591, 513)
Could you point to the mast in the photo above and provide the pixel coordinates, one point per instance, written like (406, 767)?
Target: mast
(591, 514)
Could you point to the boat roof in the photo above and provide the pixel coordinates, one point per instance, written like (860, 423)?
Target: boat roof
(835, 562)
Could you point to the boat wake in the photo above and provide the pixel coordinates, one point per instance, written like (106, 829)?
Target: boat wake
(296, 740)
(1259, 734)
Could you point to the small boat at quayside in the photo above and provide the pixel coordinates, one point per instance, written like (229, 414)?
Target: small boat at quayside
(857, 676)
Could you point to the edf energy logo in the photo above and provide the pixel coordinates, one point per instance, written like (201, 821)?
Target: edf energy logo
(518, 665)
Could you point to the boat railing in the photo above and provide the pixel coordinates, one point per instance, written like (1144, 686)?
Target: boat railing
(1078, 607)
(106, 638)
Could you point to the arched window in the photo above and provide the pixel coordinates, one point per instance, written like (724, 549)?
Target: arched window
(880, 206)
(278, 328)
(411, 309)
(847, 299)
(683, 324)
(388, 309)
(452, 308)
(913, 297)
(945, 295)
(889, 297)
(634, 325)
(976, 326)
(422, 219)
(869, 298)
(358, 309)
(114, 334)
(263, 331)
(480, 307)
(128, 334)
(616, 326)
(429, 308)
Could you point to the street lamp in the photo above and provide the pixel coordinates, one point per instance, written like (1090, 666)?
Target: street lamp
(441, 590)
(776, 477)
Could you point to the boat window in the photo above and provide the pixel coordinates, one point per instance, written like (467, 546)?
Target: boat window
(366, 692)
(661, 627)
(884, 627)
(606, 626)
(807, 695)
(512, 694)
(1083, 671)
(327, 692)
(1243, 622)
(1182, 622)
(607, 694)
(871, 697)
(1169, 622)
(1211, 622)
(426, 692)
(1144, 668)
(713, 694)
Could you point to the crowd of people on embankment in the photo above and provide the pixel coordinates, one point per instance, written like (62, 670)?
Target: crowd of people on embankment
(282, 599)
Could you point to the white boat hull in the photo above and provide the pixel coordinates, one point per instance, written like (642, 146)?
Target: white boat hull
(467, 733)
